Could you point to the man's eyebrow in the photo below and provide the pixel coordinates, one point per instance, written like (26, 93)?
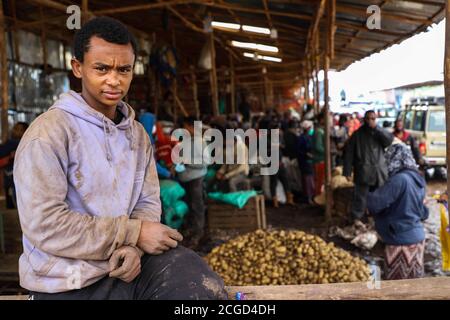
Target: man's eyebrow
(102, 64)
(125, 66)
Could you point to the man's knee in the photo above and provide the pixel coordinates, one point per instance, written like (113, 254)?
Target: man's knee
(187, 276)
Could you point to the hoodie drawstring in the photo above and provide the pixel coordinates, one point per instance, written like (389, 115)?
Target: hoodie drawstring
(106, 131)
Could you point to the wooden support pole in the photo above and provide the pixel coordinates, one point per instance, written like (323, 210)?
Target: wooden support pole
(447, 85)
(232, 85)
(329, 53)
(317, 93)
(328, 190)
(195, 92)
(4, 71)
(43, 39)
(213, 76)
(266, 91)
(14, 33)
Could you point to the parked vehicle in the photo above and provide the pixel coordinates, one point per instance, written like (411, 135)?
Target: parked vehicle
(424, 119)
(386, 114)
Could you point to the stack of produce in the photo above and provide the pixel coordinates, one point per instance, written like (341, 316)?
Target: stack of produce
(283, 258)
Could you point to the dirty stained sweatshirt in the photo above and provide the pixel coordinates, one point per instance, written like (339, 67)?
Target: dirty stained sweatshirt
(84, 184)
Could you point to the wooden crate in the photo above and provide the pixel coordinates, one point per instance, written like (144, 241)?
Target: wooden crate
(225, 216)
(342, 200)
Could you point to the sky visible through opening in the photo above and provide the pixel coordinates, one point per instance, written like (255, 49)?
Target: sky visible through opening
(418, 59)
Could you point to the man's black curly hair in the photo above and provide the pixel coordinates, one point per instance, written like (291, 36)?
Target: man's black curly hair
(106, 28)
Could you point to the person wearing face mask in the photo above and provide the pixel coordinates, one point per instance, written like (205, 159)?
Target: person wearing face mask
(364, 155)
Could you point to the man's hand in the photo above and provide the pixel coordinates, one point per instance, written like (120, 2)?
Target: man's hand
(219, 176)
(155, 238)
(125, 264)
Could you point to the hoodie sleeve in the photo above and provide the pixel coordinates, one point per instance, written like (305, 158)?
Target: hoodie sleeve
(383, 197)
(46, 219)
(148, 206)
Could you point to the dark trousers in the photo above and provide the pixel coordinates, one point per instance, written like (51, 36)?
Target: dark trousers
(282, 176)
(195, 219)
(359, 203)
(178, 274)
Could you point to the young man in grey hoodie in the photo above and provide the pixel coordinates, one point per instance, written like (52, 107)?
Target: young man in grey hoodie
(88, 191)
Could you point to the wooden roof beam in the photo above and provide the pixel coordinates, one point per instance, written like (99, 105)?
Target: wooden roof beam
(361, 12)
(314, 26)
(257, 11)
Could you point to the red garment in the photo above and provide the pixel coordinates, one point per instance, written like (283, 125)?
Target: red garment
(319, 177)
(402, 135)
(353, 125)
(164, 146)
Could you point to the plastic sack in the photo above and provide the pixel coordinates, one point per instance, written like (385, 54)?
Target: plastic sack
(162, 171)
(445, 239)
(204, 61)
(174, 215)
(171, 191)
(281, 195)
(210, 174)
(238, 199)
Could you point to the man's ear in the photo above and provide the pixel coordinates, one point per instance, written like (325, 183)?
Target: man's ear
(76, 68)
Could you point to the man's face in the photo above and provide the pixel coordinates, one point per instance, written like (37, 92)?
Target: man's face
(399, 126)
(106, 72)
(371, 120)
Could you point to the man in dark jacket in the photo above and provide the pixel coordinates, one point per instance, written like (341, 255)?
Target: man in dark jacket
(398, 209)
(365, 154)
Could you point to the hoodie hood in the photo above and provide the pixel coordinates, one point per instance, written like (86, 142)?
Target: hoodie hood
(73, 103)
(416, 177)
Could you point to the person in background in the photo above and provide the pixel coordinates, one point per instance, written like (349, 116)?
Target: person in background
(318, 148)
(7, 152)
(290, 140)
(282, 173)
(353, 124)
(244, 108)
(235, 174)
(339, 136)
(305, 160)
(364, 153)
(309, 113)
(399, 211)
(191, 179)
(166, 110)
(408, 139)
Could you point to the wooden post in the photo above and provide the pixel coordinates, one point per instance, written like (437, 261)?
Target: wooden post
(85, 11)
(317, 89)
(43, 39)
(266, 91)
(331, 11)
(213, 76)
(447, 85)
(232, 85)
(270, 96)
(14, 32)
(328, 190)
(4, 70)
(195, 92)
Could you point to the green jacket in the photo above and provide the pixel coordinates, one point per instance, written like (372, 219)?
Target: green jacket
(318, 145)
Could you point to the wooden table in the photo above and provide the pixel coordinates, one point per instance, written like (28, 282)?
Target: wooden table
(423, 289)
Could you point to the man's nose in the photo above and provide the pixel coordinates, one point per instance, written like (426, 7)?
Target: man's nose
(113, 79)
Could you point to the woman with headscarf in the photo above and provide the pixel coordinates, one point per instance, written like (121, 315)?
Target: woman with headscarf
(398, 209)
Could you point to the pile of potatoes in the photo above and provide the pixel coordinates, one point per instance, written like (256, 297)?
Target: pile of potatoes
(282, 258)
